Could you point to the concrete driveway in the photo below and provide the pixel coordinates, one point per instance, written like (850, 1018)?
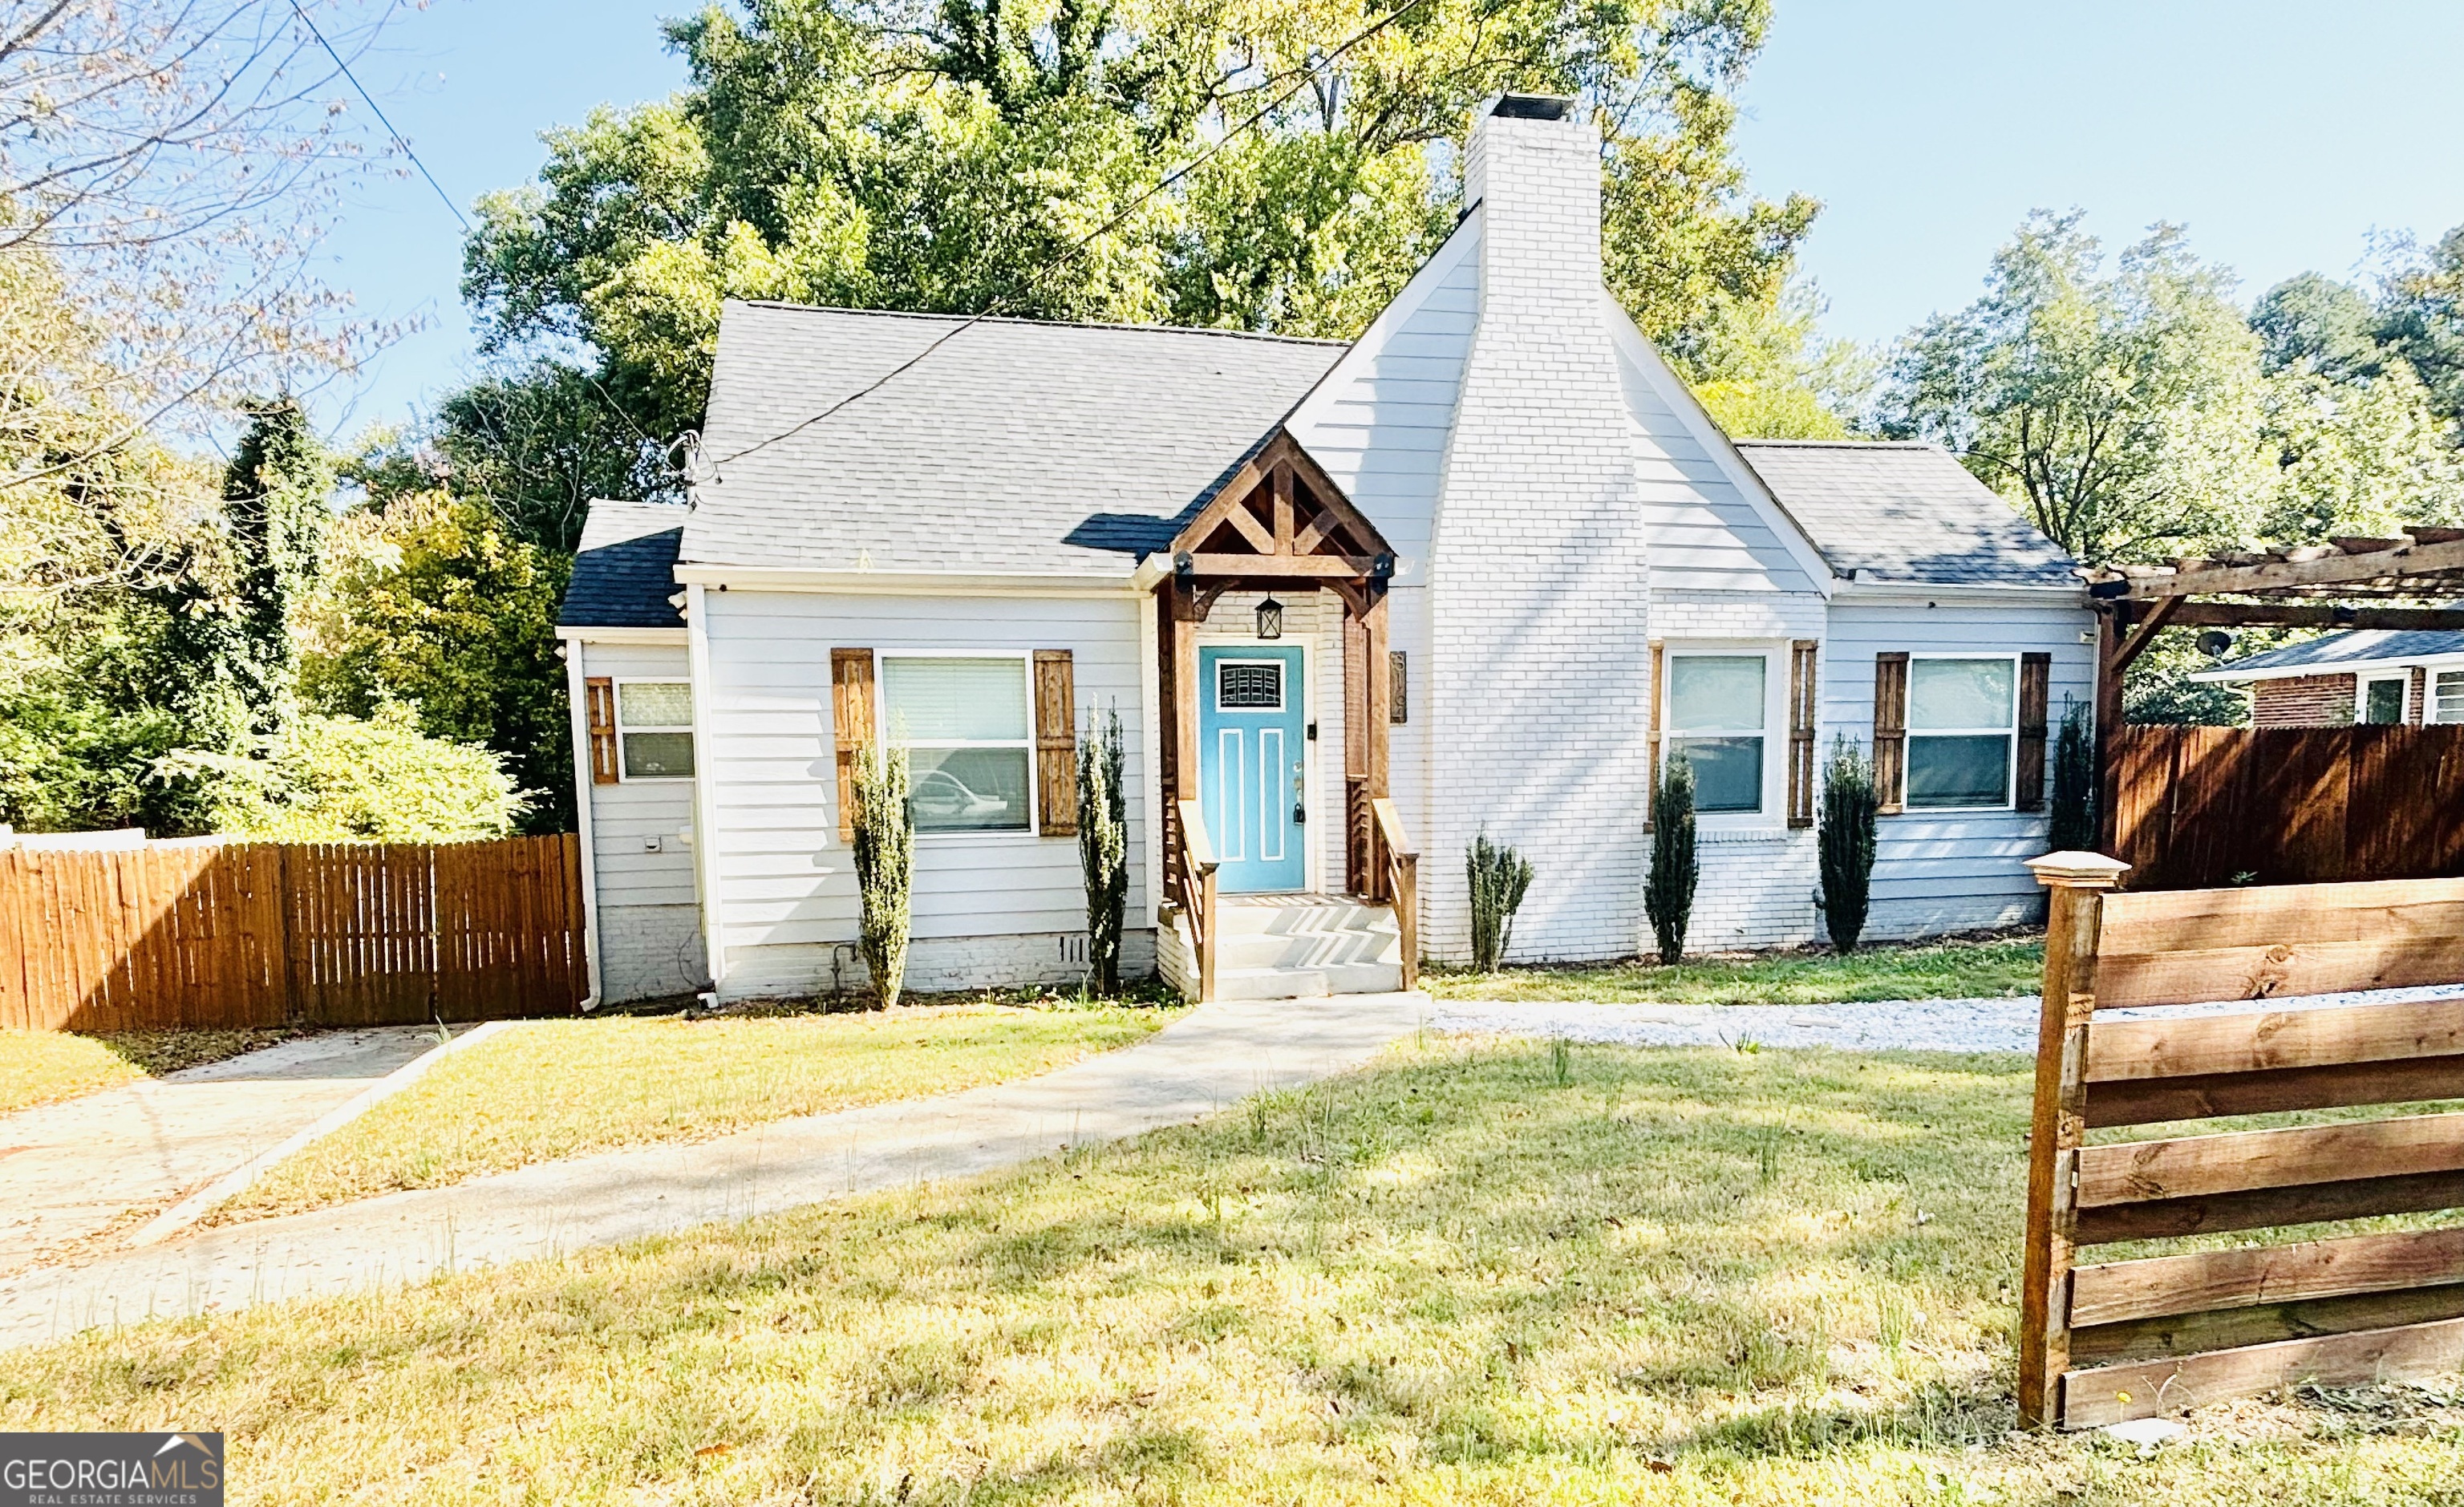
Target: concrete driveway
(71, 1172)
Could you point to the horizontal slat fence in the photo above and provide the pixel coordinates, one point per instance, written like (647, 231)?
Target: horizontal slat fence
(2196, 807)
(172, 937)
(2111, 1341)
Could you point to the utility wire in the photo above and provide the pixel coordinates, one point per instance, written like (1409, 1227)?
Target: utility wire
(1078, 246)
(399, 139)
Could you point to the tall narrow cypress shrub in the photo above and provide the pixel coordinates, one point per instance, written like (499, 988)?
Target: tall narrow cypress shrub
(1668, 892)
(2074, 821)
(1500, 877)
(1104, 850)
(885, 867)
(1845, 841)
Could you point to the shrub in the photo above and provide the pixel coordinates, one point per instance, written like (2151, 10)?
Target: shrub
(1845, 842)
(1104, 850)
(1500, 877)
(885, 867)
(2074, 803)
(340, 779)
(1669, 893)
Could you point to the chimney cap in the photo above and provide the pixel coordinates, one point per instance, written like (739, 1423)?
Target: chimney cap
(1533, 107)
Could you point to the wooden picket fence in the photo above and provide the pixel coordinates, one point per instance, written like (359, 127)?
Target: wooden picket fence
(2197, 808)
(260, 934)
(2113, 1340)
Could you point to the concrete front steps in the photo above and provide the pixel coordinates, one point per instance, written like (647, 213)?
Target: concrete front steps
(1298, 946)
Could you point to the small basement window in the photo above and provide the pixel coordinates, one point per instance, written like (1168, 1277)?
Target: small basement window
(2383, 700)
(1717, 711)
(654, 729)
(2447, 696)
(1963, 732)
(968, 736)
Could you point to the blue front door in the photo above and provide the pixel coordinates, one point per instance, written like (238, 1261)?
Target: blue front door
(1250, 765)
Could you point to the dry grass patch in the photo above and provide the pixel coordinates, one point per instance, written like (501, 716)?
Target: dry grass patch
(1478, 1274)
(1976, 968)
(546, 1089)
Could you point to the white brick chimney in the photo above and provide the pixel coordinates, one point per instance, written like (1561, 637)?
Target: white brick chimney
(1538, 583)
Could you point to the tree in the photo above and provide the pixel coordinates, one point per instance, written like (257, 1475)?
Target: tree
(343, 779)
(1845, 842)
(1104, 849)
(884, 823)
(432, 604)
(2317, 320)
(2121, 412)
(1676, 866)
(2421, 318)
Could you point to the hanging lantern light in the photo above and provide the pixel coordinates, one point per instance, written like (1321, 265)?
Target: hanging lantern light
(1271, 618)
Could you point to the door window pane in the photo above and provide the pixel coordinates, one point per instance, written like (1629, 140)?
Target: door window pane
(2450, 706)
(2383, 701)
(1727, 773)
(969, 790)
(955, 700)
(658, 756)
(1972, 770)
(1960, 693)
(1716, 693)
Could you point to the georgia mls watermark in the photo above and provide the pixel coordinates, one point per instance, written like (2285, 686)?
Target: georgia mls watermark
(111, 1470)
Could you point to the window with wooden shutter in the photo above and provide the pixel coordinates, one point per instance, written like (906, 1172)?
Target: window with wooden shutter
(1056, 743)
(2035, 690)
(1659, 660)
(1800, 732)
(852, 725)
(599, 702)
(1891, 731)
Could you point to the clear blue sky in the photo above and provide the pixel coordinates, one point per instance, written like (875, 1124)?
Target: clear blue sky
(2281, 133)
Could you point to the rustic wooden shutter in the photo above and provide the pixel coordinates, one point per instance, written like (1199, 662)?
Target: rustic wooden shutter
(851, 720)
(2036, 688)
(1056, 744)
(1891, 731)
(1800, 732)
(599, 697)
(1658, 659)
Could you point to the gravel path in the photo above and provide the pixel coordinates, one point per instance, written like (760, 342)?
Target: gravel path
(1918, 1025)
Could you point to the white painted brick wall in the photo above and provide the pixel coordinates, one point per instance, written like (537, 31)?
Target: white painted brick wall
(1756, 891)
(1538, 574)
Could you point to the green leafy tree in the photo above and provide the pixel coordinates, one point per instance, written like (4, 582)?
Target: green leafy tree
(2119, 411)
(2315, 319)
(2421, 318)
(344, 779)
(433, 604)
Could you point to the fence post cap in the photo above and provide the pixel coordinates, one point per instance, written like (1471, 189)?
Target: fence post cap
(2078, 870)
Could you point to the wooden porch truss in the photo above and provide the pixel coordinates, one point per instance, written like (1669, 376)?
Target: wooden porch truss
(1280, 523)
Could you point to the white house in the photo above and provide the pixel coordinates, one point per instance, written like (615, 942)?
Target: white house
(1516, 566)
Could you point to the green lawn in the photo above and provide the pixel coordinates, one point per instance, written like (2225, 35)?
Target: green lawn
(1490, 1273)
(546, 1089)
(42, 1067)
(1963, 970)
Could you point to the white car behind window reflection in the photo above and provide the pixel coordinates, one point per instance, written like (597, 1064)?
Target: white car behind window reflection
(938, 794)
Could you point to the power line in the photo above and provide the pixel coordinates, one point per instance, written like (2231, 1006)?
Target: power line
(399, 139)
(1090, 237)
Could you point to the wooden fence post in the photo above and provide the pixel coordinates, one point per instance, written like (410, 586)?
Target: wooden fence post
(2077, 883)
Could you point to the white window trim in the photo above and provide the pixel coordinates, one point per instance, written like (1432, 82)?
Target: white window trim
(2430, 710)
(2011, 770)
(1026, 661)
(625, 775)
(1772, 816)
(2362, 684)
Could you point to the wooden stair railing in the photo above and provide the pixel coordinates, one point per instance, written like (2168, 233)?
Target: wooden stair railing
(1192, 882)
(1400, 868)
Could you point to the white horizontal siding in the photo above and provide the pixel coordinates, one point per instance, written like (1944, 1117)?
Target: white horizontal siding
(1935, 871)
(786, 884)
(1704, 532)
(641, 855)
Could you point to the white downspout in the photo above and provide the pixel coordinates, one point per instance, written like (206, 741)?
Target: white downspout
(584, 792)
(705, 838)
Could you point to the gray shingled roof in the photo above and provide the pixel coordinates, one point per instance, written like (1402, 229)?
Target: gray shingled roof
(1891, 510)
(1016, 447)
(626, 570)
(2335, 652)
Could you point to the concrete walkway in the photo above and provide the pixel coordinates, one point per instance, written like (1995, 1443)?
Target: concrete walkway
(72, 1170)
(1201, 1062)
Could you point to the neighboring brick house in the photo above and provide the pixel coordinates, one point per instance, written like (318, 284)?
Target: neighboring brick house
(1485, 568)
(2362, 675)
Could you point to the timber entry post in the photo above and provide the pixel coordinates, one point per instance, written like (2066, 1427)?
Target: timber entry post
(2077, 883)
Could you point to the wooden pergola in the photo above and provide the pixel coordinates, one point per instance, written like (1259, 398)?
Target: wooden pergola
(1280, 523)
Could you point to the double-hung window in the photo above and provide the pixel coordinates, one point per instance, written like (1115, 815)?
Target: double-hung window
(2447, 696)
(654, 729)
(1718, 709)
(2382, 699)
(1963, 732)
(967, 725)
